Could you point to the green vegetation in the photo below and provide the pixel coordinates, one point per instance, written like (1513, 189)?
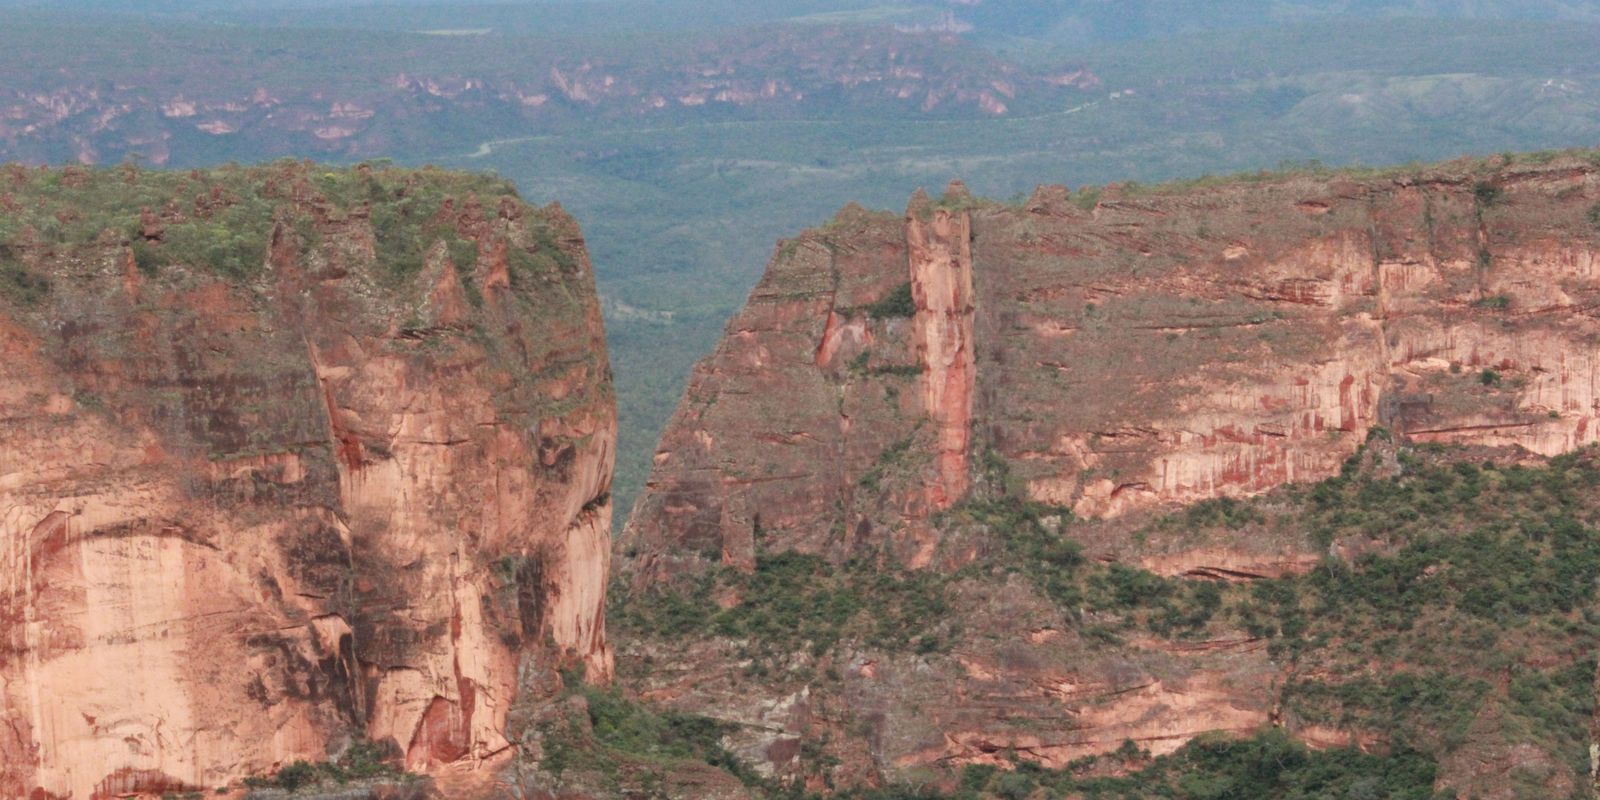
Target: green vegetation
(362, 761)
(794, 602)
(862, 365)
(1470, 559)
(892, 457)
(1479, 572)
(615, 730)
(621, 745)
(1473, 592)
(17, 283)
(1487, 572)
(1268, 766)
(897, 303)
(219, 220)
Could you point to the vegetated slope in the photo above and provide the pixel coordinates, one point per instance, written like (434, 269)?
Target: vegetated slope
(1446, 646)
(292, 458)
(862, 516)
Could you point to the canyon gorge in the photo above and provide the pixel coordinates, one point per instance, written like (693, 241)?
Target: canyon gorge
(297, 460)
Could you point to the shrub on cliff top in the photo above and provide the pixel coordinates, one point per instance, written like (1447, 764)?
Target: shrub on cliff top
(220, 219)
(1487, 194)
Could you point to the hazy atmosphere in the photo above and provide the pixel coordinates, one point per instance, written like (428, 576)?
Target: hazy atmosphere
(1282, 386)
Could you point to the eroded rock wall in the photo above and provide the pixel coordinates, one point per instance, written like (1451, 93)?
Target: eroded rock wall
(939, 253)
(247, 518)
(1152, 348)
(896, 381)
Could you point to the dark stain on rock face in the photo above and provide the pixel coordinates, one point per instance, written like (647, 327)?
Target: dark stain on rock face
(127, 781)
(270, 588)
(383, 639)
(318, 559)
(702, 529)
(783, 751)
(530, 597)
(292, 673)
(257, 690)
(557, 457)
(343, 680)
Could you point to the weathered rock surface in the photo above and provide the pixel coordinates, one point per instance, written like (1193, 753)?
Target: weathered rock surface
(1158, 348)
(249, 515)
(1109, 356)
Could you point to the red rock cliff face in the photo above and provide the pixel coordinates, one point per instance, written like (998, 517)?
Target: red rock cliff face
(1156, 348)
(939, 253)
(1115, 357)
(247, 518)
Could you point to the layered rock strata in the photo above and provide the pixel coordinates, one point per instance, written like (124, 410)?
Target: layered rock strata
(1144, 349)
(1110, 354)
(253, 508)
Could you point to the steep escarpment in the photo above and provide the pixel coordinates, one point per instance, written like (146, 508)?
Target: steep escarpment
(291, 458)
(986, 483)
(1151, 349)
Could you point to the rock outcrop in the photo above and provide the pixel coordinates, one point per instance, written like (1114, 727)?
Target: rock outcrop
(940, 256)
(1154, 348)
(966, 393)
(302, 457)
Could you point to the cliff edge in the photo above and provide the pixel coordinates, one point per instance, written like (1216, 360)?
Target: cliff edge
(1128, 349)
(1071, 487)
(291, 458)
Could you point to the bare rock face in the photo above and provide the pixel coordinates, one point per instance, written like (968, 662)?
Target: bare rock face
(1152, 349)
(1096, 359)
(940, 255)
(260, 496)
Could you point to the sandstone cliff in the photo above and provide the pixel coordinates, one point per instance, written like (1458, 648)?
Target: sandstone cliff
(289, 458)
(1153, 348)
(962, 438)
